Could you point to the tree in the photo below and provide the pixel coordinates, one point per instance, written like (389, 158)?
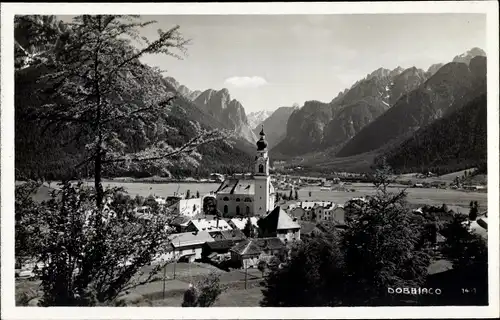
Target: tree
(197, 194)
(386, 237)
(139, 200)
(188, 194)
(249, 230)
(296, 195)
(205, 293)
(468, 253)
(444, 208)
(262, 266)
(97, 89)
(89, 259)
(473, 211)
(26, 210)
(463, 247)
(326, 270)
(313, 276)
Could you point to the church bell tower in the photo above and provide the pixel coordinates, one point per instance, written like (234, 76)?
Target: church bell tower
(262, 203)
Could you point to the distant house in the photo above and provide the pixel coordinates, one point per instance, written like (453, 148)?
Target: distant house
(180, 223)
(207, 225)
(304, 210)
(248, 252)
(187, 207)
(218, 249)
(187, 246)
(240, 223)
(279, 224)
(234, 234)
(331, 213)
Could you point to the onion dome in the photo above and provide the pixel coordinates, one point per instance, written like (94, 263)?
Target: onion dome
(262, 143)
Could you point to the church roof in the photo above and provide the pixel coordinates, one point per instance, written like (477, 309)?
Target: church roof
(239, 186)
(278, 219)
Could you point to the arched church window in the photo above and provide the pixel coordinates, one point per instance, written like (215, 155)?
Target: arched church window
(261, 168)
(248, 200)
(248, 210)
(226, 209)
(237, 210)
(237, 199)
(225, 199)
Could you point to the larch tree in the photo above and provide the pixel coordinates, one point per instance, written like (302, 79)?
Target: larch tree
(96, 91)
(97, 85)
(385, 236)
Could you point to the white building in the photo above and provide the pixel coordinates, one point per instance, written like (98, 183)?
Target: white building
(239, 223)
(248, 197)
(187, 245)
(187, 207)
(201, 225)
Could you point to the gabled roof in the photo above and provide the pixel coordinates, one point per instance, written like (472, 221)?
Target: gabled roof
(180, 220)
(221, 244)
(241, 222)
(190, 238)
(210, 225)
(256, 246)
(278, 219)
(247, 247)
(233, 234)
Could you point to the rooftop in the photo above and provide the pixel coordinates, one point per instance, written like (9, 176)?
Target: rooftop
(239, 186)
(234, 234)
(278, 219)
(241, 222)
(210, 225)
(256, 246)
(190, 238)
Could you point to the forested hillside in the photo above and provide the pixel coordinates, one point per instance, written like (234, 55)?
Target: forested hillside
(455, 142)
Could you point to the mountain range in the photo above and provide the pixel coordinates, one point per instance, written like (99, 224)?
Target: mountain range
(459, 140)
(410, 116)
(255, 119)
(382, 110)
(275, 125)
(42, 154)
(318, 125)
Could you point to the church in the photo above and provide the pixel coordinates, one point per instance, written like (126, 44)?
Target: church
(243, 197)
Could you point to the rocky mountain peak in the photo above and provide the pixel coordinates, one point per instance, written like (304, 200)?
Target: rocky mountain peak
(467, 56)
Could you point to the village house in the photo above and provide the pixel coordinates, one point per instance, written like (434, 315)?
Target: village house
(207, 225)
(218, 250)
(279, 224)
(187, 207)
(240, 223)
(332, 213)
(180, 223)
(186, 246)
(248, 252)
(233, 234)
(304, 210)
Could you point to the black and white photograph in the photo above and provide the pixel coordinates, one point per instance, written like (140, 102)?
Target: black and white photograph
(158, 155)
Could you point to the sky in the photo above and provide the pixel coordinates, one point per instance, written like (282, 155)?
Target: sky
(269, 61)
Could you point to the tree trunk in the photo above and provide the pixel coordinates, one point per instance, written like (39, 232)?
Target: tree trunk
(97, 180)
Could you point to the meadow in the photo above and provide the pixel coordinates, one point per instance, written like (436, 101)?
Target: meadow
(456, 200)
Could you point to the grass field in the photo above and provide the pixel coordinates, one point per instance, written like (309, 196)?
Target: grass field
(231, 298)
(416, 196)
